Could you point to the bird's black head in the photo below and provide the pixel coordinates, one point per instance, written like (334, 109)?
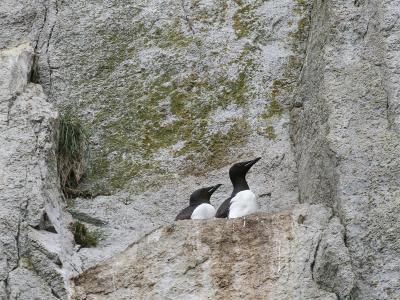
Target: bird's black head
(203, 195)
(237, 173)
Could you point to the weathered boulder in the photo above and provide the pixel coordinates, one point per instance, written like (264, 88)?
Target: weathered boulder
(263, 256)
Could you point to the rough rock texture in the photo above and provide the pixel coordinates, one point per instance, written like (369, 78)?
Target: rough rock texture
(332, 268)
(35, 247)
(346, 135)
(173, 92)
(260, 257)
(176, 88)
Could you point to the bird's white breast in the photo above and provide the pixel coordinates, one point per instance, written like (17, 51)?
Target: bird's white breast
(244, 203)
(203, 211)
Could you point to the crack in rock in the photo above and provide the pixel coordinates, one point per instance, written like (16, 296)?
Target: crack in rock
(48, 45)
(11, 102)
(41, 28)
(312, 265)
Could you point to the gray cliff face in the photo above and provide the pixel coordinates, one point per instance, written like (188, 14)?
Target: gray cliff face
(172, 93)
(36, 249)
(346, 136)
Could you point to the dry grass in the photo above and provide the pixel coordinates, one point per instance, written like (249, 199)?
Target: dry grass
(71, 151)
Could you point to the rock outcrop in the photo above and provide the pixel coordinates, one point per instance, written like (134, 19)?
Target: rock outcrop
(36, 249)
(259, 257)
(346, 135)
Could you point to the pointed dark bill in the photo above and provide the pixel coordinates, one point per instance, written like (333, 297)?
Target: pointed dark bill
(252, 162)
(212, 189)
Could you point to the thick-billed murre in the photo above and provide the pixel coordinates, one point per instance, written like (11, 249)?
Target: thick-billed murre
(242, 201)
(199, 205)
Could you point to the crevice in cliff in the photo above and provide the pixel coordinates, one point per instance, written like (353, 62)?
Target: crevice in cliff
(34, 73)
(23, 214)
(366, 31)
(11, 102)
(389, 117)
(42, 44)
(48, 45)
(55, 294)
(327, 272)
(388, 112)
(24, 206)
(307, 41)
(45, 224)
(51, 30)
(312, 265)
(81, 216)
(329, 159)
(41, 28)
(7, 286)
(17, 241)
(345, 241)
(6, 281)
(198, 263)
(297, 103)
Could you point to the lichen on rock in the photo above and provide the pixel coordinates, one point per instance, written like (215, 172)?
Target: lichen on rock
(153, 83)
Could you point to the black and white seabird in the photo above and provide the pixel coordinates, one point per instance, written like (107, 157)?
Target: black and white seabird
(242, 201)
(199, 205)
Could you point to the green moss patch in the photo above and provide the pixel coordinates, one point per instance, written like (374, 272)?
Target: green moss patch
(83, 236)
(274, 109)
(26, 262)
(270, 132)
(156, 115)
(245, 20)
(148, 97)
(220, 143)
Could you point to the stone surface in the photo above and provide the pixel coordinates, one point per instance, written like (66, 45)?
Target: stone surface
(21, 21)
(259, 257)
(346, 135)
(332, 267)
(34, 263)
(173, 92)
(126, 217)
(170, 89)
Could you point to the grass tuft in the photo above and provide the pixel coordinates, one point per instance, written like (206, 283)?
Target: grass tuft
(71, 150)
(83, 236)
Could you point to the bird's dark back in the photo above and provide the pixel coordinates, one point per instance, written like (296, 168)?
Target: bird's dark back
(223, 209)
(186, 213)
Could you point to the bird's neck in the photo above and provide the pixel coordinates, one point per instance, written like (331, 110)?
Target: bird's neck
(199, 201)
(239, 184)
